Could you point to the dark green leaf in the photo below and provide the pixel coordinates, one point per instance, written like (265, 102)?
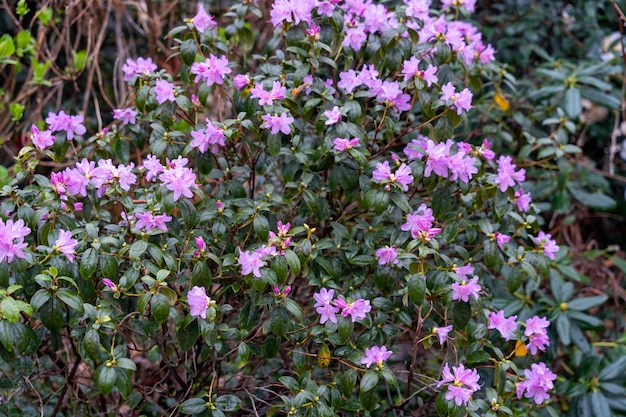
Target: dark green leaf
(89, 263)
(193, 406)
(105, 378)
(160, 307)
(228, 403)
(461, 313)
(369, 380)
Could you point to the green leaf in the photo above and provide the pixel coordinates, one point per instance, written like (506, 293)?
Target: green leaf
(563, 329)
(442, 199)
(417, 289)
(6, 335)
(89, 263)
(293, 261)
(572, 102)
(137, 249)
(7, 48)
(369, 380)
(187, 336)
(478, 356)
(105, 378)
(461, 313)
(274, 142)
(597, 200)
(160, 306)
(345, 328)
(279, 321)
(261, 227)
(228, 403)
(91, 342)
(71, 299)
(51, 313)
(126, 363)
(347, 382)
(585, 303)
(10, 309)
(614, 370)
(493, 257)
(188, 51)
(599, 404)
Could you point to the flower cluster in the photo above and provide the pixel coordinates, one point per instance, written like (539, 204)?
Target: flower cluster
(324, 305)
(537, 333)
(462, 383)
(442, 160)
(539, 380)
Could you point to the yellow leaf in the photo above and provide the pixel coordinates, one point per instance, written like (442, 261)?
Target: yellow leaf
(520, 349)
(323, 357)
(502, 102)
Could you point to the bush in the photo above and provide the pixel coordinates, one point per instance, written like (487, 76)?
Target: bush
(295, 224)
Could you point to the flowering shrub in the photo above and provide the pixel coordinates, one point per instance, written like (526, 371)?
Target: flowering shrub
(293, 226)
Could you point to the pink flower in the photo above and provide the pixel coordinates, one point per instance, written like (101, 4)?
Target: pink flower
(387, 255)
(292, 11)
(66, 245)
(12, 236)
(148, 221)
(419, 221)
(41, 139)
(164, 91)
(108, 283)
(153, 167)
(127, 116)
(349, 81)
(180, 180)
(341, 144)
(507, 176)
(506, 326)
(356, 309)
(251, 263)
(200, 243)
(375, 355)
(464, 271)
(442, 333)
(522, 200)
(202, 20)
(501, 239)
(198, 302)
(460, 101)
(333, 116)
(485, 150)
(537, 333)
(267, 97)
(410, 68)
(462, 383)
(70, 124)
(539, 380)
(277, 123)
(382, 175)
(241, 80)
(140, 67)
(210, 137)
(462, 291)
(323, 306)
(211, 71)
(546, 245)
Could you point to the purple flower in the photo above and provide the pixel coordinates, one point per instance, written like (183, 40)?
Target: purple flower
(356, 309)
(200, 243)
(355, 37)
(292, 11)
(349, 81)
(537, 333)
(108, 283)
(460, 101)
(501, 239)
(251, 263)
(382, 175)
(442, 333)
(387, 255)
(241, 80)
(198, 302)
(210, 137)
(180, 180)
(421, 220)
(107, 174)
(212, 70)
(202, 20)
(375, 355)
(41, 139)
(323, 306)
(148, 221)
(267, 97)
(410, 68)
(153, 167)
(127, 115)
(507, 176)
(333, 116)
(12, 236)
(545, 244)
(140, 67)
(539, 380)
(277, 123)
(66, 245)
(522, 200)
(506, 326)
(462, 383)
(65, 122)
(342, 144)
(463, 290)
(164, 91)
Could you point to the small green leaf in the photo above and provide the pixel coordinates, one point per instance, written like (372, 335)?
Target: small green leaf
(137, 249)
(228, 403)
(193, 406)
(461, 313)
(71, 299)
(160, 307)
(261, 227)
(417, 289)
(369, 380)
(188, 51)
(572, 102)
(585, 303)
(279, 321)
(105, 378)
(89, 263)
(293, 261)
